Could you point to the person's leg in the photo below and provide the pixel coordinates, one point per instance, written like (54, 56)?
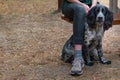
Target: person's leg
(77, 13)
(78, 36)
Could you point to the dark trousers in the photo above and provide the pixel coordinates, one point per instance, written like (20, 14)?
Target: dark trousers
(77, 14)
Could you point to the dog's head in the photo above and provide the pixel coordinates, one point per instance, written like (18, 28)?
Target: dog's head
(100, 15)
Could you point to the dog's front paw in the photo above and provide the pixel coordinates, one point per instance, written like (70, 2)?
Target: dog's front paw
(90, 63)
(105, 61)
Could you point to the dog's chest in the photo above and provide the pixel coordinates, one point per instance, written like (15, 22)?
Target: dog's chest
(93, 35)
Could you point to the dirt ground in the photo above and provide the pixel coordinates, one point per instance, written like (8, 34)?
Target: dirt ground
(31, 39)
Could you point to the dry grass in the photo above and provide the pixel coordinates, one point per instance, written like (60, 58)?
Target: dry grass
(27, 6)
(31, 39)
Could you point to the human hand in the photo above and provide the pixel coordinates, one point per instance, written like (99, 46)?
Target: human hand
(86, 8)
(92, 6)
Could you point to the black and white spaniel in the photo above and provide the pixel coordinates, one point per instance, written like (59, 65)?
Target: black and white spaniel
(98, 19)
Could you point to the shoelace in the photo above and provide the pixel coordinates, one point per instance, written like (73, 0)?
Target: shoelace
(80, 59)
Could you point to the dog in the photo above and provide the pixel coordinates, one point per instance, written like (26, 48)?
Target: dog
(98, 20)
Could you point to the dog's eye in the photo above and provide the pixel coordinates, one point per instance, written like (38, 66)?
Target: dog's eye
(97, 11)
(103, 11)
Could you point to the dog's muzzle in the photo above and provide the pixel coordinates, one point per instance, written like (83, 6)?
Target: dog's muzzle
(100, 19)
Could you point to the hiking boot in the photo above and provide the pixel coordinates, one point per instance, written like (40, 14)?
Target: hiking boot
(78, 64)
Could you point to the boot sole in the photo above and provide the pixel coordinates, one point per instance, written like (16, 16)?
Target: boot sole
(76, 73)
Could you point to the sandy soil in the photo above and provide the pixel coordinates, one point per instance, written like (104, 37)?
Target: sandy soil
(31, 39)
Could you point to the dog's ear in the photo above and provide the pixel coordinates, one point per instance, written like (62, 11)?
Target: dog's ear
(108, 19)
(91, 19)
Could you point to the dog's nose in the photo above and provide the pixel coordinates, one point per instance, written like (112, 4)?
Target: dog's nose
(100, 18)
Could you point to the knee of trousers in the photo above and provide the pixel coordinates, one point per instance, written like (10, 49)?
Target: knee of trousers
(79, 10)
